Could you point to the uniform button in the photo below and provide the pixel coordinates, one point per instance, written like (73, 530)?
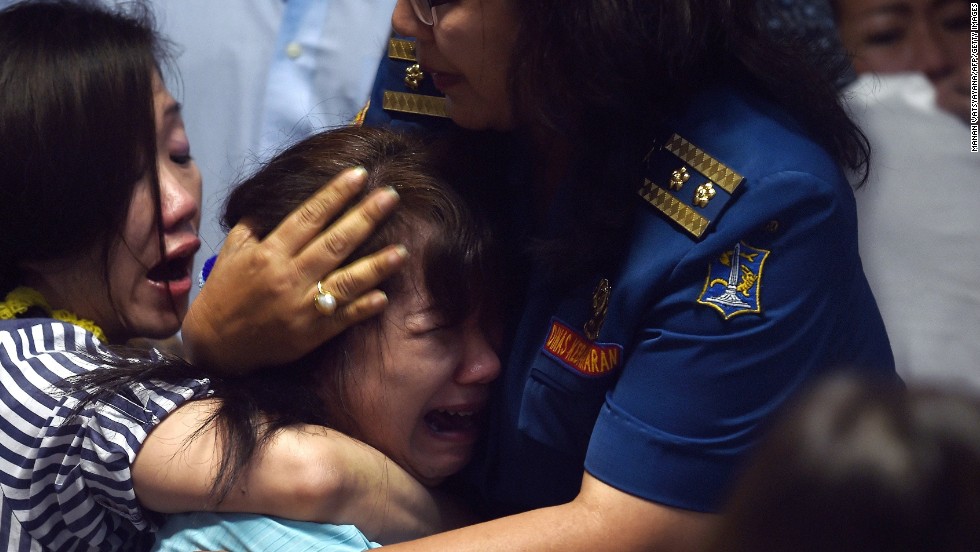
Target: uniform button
(294, 50)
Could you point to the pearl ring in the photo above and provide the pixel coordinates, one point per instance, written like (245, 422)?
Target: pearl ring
(324, 301)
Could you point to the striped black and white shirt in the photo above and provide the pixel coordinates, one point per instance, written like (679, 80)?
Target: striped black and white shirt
(67, 486)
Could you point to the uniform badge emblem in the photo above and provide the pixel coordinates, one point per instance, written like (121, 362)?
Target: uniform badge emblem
(678, 178)
(734, 280)
(703, 194)
(414, 76)
(600, 304)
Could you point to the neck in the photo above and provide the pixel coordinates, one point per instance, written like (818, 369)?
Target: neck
(23, 299)
(76, 284)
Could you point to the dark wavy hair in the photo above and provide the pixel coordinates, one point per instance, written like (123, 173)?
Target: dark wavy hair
(604, 74)
(446, 239)
(77, 128)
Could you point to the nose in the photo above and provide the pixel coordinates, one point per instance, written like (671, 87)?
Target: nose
(405, 22)
(480, 363)
(180, 199)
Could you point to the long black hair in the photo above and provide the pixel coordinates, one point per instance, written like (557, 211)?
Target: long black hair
(77, 128)
(595, 70)
(604, 74)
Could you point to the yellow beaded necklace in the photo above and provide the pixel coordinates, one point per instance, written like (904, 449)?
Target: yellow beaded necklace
(22, 298)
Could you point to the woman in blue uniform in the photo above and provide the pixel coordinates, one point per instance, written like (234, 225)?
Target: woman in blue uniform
(695, 263)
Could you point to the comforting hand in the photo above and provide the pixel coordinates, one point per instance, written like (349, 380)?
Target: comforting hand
(258, 307)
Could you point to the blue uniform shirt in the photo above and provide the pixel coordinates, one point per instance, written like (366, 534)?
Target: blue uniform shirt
(739, 283)
(403, 96)
(695, 350)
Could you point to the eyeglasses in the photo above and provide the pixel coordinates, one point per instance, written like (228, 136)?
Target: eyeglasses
(424, 9)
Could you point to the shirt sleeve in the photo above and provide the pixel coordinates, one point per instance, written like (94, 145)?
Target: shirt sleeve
(705, 372)
(215, 531)
(67, 476)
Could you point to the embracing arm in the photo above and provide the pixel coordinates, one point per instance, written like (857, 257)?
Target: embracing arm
(307, 473)
(599, 518)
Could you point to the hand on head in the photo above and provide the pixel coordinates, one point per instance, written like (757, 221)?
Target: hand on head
(258, 305)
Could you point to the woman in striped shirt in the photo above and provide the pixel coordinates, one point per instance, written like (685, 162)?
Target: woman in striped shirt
(99, 209)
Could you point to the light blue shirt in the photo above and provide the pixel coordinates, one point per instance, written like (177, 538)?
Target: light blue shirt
(242, 532)
(256, 75)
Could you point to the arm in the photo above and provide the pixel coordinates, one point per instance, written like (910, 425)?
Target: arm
(599, 518)
(257, 308)
(306, 473)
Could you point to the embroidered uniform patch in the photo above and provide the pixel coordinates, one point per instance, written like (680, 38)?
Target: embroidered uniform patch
(577, 353)
(734, 280)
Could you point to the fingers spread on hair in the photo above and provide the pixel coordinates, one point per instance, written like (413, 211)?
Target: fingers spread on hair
(338, 241)
(304, 223)
(366, 273)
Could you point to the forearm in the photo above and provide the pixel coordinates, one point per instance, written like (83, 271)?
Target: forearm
(349, 482)
(307, 473)
(600, 518)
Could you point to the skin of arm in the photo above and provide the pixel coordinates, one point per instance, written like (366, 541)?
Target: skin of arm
(601, 517)
(306, 473)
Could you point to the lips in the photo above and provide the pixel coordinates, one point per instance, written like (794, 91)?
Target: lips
(174, 271)
(445, 81)
(445, 421)
(464, 421)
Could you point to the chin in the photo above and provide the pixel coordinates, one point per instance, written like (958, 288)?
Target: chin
(434, 474)
(162, 328)
(477, 118)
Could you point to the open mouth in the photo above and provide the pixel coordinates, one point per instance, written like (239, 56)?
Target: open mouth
(451, 421)
(171, 270)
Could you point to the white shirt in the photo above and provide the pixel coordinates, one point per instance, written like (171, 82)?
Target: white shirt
(919, 224)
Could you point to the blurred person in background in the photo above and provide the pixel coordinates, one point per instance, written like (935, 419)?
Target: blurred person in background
(917, 218)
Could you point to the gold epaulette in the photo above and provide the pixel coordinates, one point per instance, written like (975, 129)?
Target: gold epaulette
(687, 184)
(418, 104)
(406, 95)
(399, 48)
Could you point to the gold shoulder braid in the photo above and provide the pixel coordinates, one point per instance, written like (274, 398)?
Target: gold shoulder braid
(22, 298)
